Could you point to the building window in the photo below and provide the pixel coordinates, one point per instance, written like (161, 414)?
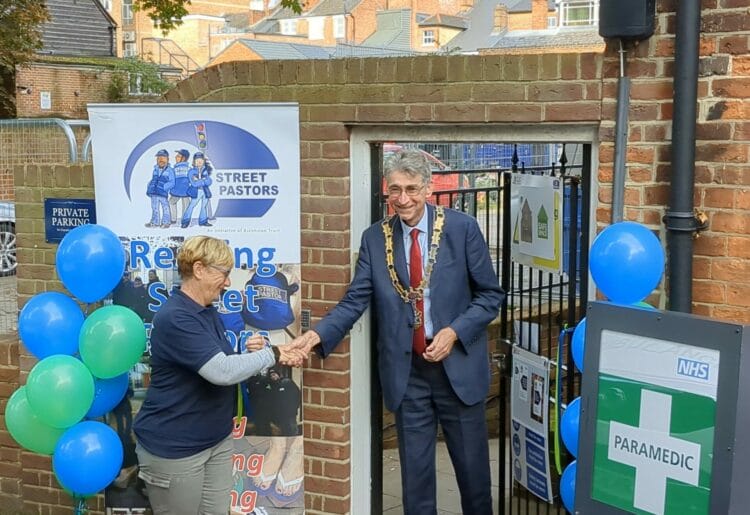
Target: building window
(107, 4)
(575, 13)
(428, 37)
(128, 50)
(256, 5)
(315, 28)
(551, 22)
(339, 27)
(127, 12)
(289, 27)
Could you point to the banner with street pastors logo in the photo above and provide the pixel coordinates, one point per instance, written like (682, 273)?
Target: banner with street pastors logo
(166, 172)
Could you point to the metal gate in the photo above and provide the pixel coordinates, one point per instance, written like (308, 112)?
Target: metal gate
(546, 306)
(475, 178)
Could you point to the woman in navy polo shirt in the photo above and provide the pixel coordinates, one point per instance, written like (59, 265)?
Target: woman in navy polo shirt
(184, 427)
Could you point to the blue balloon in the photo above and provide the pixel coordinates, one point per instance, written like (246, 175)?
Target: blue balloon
(87, 458)
(107, 394)
(626, 262)
(569, 425)
(50, 323)
(568, 486)
(578, 343)
(90, 262)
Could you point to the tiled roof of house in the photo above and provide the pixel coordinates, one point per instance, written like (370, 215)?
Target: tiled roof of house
(393, 30)
(570, 37)
(444, 20)
(348, 50)
(480, 22)
(332, 7)
(78, 28)
(280, 50)
(272, 50)
(524, 6)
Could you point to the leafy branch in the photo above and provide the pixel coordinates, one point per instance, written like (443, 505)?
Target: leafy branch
(134, 74)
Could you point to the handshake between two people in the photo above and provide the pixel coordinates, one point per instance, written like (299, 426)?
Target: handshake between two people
(293, 354)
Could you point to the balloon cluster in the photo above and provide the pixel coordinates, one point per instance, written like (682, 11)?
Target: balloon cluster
(626, 263)
(83, 365)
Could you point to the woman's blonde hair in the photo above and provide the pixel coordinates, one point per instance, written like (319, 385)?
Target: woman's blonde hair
(207, 250)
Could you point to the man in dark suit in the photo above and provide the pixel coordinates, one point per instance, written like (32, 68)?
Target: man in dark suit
(434, 291)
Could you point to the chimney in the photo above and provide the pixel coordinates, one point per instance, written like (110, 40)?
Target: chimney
(539, 10)
(501, 18)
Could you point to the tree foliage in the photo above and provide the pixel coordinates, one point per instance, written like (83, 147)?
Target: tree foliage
(20, 30)
(133, 74)
(167, 14)
(20, 36)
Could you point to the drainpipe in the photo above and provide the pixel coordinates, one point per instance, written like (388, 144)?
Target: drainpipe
(679, 220)
(621, 141)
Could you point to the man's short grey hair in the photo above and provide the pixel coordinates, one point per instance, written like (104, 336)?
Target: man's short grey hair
(411, 162)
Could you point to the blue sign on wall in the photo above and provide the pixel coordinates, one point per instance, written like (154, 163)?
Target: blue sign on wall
(63, 215)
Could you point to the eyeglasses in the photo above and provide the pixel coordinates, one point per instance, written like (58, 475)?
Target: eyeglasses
(411, 191)
(224, 271)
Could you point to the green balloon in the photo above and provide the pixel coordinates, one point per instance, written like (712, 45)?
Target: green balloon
(26, 428)
(60, 390)
(112, 340)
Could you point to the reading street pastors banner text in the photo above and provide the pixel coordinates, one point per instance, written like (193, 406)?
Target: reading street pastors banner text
(166, 172)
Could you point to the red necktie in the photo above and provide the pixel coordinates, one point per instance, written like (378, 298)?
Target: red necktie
(415, 277)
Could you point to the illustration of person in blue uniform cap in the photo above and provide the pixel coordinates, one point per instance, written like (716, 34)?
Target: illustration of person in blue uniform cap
(181, 183)
(162, 181)
(199, 178)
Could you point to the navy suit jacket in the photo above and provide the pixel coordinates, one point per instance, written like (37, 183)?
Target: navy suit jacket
(464, 294)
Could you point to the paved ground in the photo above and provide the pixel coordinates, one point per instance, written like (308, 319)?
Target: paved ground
(8, 305)
(449, 502)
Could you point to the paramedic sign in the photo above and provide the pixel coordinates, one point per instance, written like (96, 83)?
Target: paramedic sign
(651, 437)
(64, 215)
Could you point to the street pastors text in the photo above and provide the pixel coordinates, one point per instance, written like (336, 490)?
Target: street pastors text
(232, 300)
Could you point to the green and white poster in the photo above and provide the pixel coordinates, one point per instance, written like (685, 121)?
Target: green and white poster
(536, 215)
(655, 419)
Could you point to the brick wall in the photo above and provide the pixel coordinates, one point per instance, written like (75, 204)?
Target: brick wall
(7, 188)
(27, 483)
(71, 87)
(470, 91)
(333, 95)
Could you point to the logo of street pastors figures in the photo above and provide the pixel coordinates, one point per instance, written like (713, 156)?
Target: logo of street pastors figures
(238, 180)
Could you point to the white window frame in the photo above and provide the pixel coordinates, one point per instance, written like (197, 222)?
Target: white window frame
(316, 28)
(429, 37)
(127, 12)
(129, 49)
(592, 18)
(339, 26)
(551, 22)
(256, 5)
(288, 27)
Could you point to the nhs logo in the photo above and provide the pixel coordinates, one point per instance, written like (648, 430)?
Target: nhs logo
(691, 368)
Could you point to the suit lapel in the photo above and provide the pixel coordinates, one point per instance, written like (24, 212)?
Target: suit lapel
(399, 257)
